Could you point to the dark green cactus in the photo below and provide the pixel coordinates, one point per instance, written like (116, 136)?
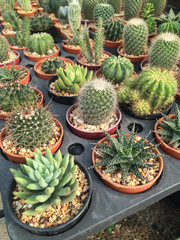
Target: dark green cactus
(159, 6)
(113, 30)
(12, 17)
(41, 22)
(45, 5)
(104, 11)
(46, 181)
(88, 8)
(4, 49)
(117, 4)
(132, 8)
(49, 66)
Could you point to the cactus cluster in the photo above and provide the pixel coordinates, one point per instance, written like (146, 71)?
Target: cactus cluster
(132, 8)
(25, 5)
(4, 49)
(165, 51)
(41, 43)
(13, 96)
(116, 69)
(159, 6)
(135, 37)
(46, 181)
(45, 5)
(41, 22)
(72, 79)
(88, 8)
(148, 15)
(113, 30)
(97, 101)
(104, 11)
(12, 17)
(49, 66)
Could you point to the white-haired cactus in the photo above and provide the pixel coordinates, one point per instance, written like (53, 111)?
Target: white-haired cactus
(74, 14)
(159, 6)
(132, 8)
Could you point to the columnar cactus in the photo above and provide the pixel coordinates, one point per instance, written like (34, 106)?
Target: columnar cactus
(165, 51)
(46, 181)
(113, 30)
(104, 11)
(117, 4)
(12, 17)
(41, 22)
(88, 8)
(4, 49)
(159, 6)
(40, 43)
(49, 66)
(135, 37)
(132, 8)
(25, 5)
(74, 14)
(97, 101)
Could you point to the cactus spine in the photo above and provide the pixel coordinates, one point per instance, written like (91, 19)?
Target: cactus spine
(104, 11)
(88, 8)
(25, 5)
(4, 49)
(132, 8)
(113, 30)
(159, 6)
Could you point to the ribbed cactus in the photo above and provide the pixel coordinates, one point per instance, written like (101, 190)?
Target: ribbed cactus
(40, 43)
(41, 22)
(116, 69)
(49, 66)
(30, 127)
(132, 8)
(165, 51)
(25, 5)
(72, 79)
(12, 17)
(104, 11)
(88, 8)
(135, 37)
(97, 101)
(117, 4)
(16, 95)
(45, 5)
(74, 14)
(159, 6)
(113, 30)
(46, 181)
(4, 49)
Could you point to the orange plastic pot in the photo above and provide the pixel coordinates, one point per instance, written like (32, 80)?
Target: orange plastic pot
(119, 187)
(36, 59)
(48, 76)
(22, 14)
(8, 35)
(164, 146)
(22, 159)
(70, 50)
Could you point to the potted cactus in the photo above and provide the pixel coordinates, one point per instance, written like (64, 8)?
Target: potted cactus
(132, 9)
(40, 46)
(95, 110)
(66, 86)
(41, 23)
(46, 68)
(47, 185)
(148, 16)
(159, 6)
(28, 128)
(26, 9)
(126, 162)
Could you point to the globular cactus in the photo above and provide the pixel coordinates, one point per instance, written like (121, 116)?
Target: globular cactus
(97, 101)
(45, 5)
(72, 79)
(132, 8)
(41, 43)
(141, 107)
(88, 8)
(116, 69)
(116, 4)
(12, 17)
(104, 11)
(113, 30)
(49, 66)
(25, 5)
(41, 22)
(30, 127)
(165, 51)
(74, 14)
(124, 93)
(135, 37)
(13, 96)
(46, 181)
(159, 6)
(4, 49)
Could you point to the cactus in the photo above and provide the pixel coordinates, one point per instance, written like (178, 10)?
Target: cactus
(11, 3)
(12, 17)
(63, 15)
(22, 37)
(116, 69)
(2, 4)
(56, 4)
(41, 22)
(16, 95)
(97, 101)
(45, 5)
(30, 127)
(132, 8)
(159, 6)
(141, 107)
(46, 181)
(104, 11)
(49, 66)
(72, 79)
(41, 43)
(124, 93)
(88, 8)
(135, 37)
(74, 14)
(116, 4)
(148, 16)
(113, 30)
(165, 51)
(4, 49)
(25, 5)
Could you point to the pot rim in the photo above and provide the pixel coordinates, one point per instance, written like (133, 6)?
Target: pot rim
(131, 57)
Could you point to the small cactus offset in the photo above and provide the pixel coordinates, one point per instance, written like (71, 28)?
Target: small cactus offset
(141, 107)
(116, 4)
(159, 6)
(41, 43)
(113, 30)
(88, 8)
(41, 22)
(135, 37)
(116, 69)
(97, 101)
(132, 8)
(104, 11)
(165, 51)
(46, 181)
(25, 5)
(4, 49)
(49, 66)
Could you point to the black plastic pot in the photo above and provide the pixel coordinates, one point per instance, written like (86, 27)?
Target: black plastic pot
(68, 100)
(59, 228)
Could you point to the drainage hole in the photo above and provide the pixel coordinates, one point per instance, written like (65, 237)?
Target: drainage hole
(138, 127)
(76, 149)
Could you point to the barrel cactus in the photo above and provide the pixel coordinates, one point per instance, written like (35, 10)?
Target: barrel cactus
(159, 6)
(104, 11)
(117, 4)
(49, 66)
(97, 101)
(41, 22)
(132, 8)
(165, 51)
(88, 8)
(135, 37)
(113, 30)
(116, 69)
(46, 181)
(4, 49)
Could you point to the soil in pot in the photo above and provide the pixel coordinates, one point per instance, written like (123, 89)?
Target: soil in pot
(8, 32)
(13, 56)
(22, 14)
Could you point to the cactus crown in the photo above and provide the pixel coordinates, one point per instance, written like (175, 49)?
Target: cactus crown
(49, 66)
(125, 154)
(4, 49)
(25, 5)
(41, 22)
(46, 181)
(97, 101)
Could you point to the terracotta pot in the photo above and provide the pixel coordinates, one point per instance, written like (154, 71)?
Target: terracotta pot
(22, 14)
(127, 189)
(4, 116)
(58, 30)
(89, 66)
(16, 48)
(164, 146)
(133, 59)
(112, 44)
(36, 59)
(98, 73)
(22, 159)
(70, 50)
(17, 60)
(48, 76)
(8, 35)
(91, 134)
